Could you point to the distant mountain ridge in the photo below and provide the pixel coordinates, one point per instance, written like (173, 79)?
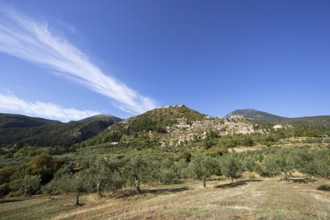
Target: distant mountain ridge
(20, 129)
(260, 116)
(256, 115)
(16, 121)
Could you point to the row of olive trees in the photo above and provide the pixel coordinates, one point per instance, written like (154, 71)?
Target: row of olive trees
(112, 173)
(204, 166)
(275, 161)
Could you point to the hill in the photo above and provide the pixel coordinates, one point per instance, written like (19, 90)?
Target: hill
(260, 116)
(170, 126)
(24, 130)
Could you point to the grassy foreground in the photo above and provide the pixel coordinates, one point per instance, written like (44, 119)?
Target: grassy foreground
(245, 199)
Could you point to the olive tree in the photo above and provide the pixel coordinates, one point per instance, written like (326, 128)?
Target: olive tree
(76, 182)
(81, 182)
(280, 161)
(165, 170)
(105, 173)
(201, 167)
(142, 168)
(29, 184)
(136, 170)
(231, 166)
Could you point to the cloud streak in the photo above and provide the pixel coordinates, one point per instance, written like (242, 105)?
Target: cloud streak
(25, 38)
(10, 102)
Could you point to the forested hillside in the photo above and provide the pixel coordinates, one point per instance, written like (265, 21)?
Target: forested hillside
(19, 130)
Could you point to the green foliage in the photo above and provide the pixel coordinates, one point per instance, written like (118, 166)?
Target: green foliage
(208, 144)
(140, 167)
(67, 181)
(186, 155)
(201, 167)
(30, 151)
(231, 166)
(228, 141)
(105, 173)
(145, 124)
(247, 141)
(166, 171)
(280, 161)
(63, 184)
(306, 161)
(269, 167)
(6, 173)
(51, 187)
(182, 168)
(236, 140)
(28, 185)
(250, 161)
(31, 184)
(45, 166)
(323, 167)
(4, 189)
(212, 134)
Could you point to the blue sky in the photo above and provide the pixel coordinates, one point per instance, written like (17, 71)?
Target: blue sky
(67, 60)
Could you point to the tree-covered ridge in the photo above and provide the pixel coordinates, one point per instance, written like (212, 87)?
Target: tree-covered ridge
(18, 130)
(22, 121)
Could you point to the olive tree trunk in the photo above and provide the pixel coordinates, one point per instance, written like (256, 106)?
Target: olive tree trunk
(137, 186)
(204, 181)
(77, 198)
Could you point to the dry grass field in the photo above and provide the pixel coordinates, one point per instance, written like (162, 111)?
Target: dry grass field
(244, 199)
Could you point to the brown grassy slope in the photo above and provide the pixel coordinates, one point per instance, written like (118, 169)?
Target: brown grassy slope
(266, 199)
(37, 207)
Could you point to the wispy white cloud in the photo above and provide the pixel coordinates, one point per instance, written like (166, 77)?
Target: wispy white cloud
(25, 38)
(13, 104)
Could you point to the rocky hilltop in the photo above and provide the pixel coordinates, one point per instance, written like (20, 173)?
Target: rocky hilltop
(173, 126)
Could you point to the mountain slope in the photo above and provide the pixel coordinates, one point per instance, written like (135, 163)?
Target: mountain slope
(22, 121)
(260, 116)
(24, 130)
(312, 121)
